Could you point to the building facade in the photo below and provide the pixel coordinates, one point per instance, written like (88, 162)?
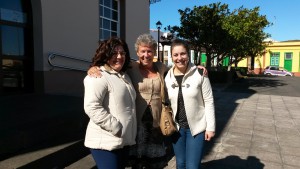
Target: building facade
(285, 54)
(46, 47)
(33, 30)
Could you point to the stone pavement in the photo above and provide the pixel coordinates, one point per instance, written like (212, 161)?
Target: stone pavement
(255, 130)
(258, 125)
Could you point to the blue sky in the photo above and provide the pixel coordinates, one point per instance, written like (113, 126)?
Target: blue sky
(284, 14)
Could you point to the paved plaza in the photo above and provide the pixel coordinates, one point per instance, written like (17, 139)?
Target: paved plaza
(254, 131)
(258, 127)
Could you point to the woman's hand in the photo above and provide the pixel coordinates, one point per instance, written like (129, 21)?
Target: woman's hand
(205, 72)
(94, 72)
(209, 135)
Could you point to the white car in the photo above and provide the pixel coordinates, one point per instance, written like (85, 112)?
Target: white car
(277, 71)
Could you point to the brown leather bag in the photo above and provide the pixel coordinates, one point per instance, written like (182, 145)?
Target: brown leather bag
(167, 124)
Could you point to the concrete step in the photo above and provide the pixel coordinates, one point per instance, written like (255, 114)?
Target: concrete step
(85, 162)
(28, 120)
(43, 132)
(61, 153)
(57, 156)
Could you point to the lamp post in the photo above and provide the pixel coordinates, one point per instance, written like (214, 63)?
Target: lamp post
(158, 26)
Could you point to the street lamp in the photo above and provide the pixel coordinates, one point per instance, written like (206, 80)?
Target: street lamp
(158, 26)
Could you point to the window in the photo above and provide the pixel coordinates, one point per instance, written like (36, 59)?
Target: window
(165, 53)
(274, 59)
(274, 68)
(16, 59)
(288, 56)
(12, 11)
(109, 18)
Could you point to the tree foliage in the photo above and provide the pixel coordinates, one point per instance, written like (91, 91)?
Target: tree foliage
(222, 33)
(246, 27)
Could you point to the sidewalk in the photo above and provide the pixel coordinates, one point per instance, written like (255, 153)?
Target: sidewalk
(254, 131)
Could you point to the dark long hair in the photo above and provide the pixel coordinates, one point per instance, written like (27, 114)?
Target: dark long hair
(105, 52)
(180, 42)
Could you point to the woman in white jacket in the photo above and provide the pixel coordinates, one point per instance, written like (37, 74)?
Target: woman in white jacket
(109, 102)
(192, 101)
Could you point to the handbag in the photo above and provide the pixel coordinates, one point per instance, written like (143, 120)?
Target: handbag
(167, 124)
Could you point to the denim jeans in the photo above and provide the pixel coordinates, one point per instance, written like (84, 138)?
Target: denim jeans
(115, 159)
(188, 149)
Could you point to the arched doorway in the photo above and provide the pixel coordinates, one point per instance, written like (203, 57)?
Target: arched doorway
(16, 47)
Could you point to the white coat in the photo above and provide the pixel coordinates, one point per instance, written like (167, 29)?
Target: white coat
(197, 96)
(109, 102)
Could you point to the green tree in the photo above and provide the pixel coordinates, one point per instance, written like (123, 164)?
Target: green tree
(202, 27)
(246, 29)
(222, 33)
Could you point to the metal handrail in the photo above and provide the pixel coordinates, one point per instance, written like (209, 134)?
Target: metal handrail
(52, 56)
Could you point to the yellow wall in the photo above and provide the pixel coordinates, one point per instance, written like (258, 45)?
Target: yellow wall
(282, 48)
(243, 63)
(276, 47)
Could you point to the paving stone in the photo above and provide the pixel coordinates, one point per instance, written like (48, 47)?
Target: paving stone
(242, 123)
(288, 150)
(291, 141)
(265, 134)
(263, 123)
(269, 117)
(266, 156)
(259, 138)
(287, 133)
(232, 142)
(239, 136)
(290, 167)
(284, 123)
(247, 131)
(291, 160)
(271, 165)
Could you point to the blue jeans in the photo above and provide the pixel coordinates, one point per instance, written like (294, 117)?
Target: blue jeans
(115, 159)
(188, 149)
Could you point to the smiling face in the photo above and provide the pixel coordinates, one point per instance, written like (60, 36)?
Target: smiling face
(180, 57)
(118, 58)
(145, 54)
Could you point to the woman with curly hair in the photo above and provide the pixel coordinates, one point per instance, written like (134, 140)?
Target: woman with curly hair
(109, 102)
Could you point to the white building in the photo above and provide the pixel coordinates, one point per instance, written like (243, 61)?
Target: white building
(164, 49)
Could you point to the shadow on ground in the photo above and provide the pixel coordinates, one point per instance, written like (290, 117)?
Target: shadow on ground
(269, 85)
(234, 162)
(35, 122)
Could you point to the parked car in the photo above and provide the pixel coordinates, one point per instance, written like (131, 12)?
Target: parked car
(277, 71)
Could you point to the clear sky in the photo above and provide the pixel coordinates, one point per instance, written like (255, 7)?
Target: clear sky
(284, 14)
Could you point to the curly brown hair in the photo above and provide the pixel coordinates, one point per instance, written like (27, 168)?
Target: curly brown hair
(105, 52)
